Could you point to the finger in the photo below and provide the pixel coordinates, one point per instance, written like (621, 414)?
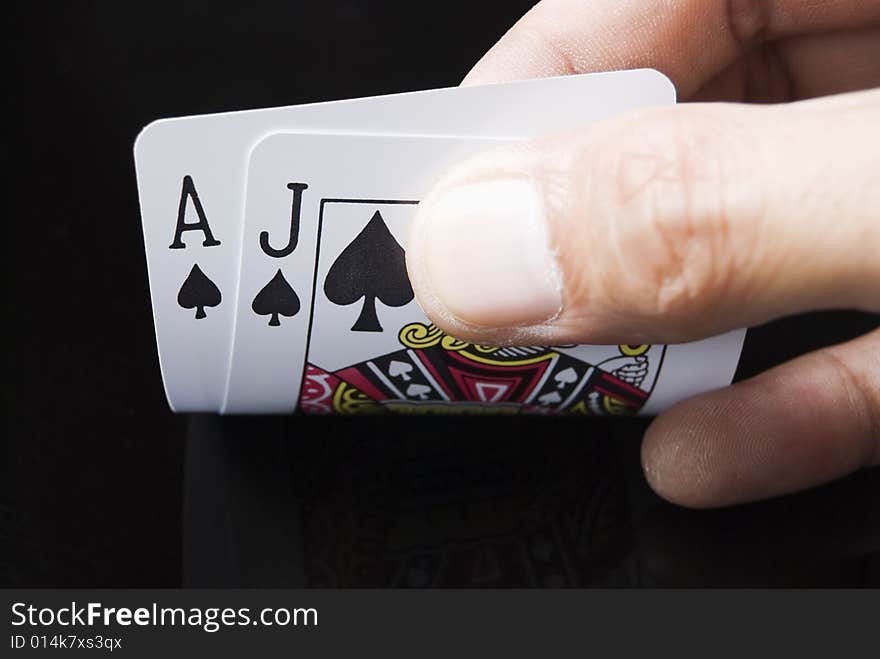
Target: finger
(690, 40)
(661, 226)
(800, 68)
(800, 424)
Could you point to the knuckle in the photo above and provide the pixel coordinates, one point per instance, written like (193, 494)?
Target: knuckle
(546, 42)
(859, 393)
(667, 212)
(747, 20)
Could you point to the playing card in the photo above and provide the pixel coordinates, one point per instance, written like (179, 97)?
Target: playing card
(332, 325)
(191, 174)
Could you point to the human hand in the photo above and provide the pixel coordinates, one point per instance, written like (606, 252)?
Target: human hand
(710, 216)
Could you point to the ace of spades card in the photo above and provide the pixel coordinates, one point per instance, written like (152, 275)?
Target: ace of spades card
(326, 319)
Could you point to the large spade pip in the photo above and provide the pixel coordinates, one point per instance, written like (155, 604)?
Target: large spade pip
(372, 267)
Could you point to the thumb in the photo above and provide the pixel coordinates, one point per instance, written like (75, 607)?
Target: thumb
(663, 225)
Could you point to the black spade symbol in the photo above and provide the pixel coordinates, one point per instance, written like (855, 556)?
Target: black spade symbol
(372, 267)
(276, 298)
(198, 292)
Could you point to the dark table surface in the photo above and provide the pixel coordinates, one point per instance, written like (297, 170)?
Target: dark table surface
(106, 487)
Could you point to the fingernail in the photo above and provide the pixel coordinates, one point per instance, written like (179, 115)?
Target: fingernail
(487, 257)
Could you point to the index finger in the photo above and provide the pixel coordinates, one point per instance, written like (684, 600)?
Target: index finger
(690, 40)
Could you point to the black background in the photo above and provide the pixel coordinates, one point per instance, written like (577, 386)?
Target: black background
(96, 460)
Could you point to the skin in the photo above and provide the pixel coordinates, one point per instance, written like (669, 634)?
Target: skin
(736, 213)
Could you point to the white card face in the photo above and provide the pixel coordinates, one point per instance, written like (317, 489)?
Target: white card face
(344, 173)
(356, 340)
(191, 174)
